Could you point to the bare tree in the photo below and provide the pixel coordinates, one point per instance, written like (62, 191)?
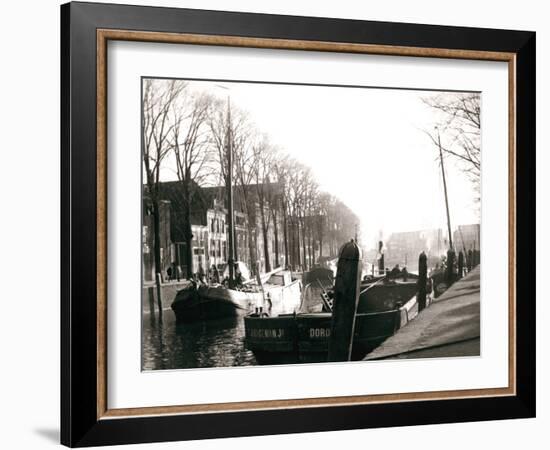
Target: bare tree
(297, 177)
(286, 172)
(322, 205)
(458, 128)
(158, 99)
(278, 208)
(310, 216)
(240, 130)
(189, 141)
(311, 193)
(275, 190)
(262, 168)
(281, 169)
(291, 202)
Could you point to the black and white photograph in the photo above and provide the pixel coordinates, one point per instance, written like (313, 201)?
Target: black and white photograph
(306, 223)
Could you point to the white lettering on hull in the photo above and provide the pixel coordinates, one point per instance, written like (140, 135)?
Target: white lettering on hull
(319, 332)
(271, 333)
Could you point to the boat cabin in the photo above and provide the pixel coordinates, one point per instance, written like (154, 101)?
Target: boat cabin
(282, 278)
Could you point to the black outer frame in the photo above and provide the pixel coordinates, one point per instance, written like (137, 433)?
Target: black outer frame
(79, 424)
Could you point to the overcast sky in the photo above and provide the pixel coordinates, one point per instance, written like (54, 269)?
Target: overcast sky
(365, 146)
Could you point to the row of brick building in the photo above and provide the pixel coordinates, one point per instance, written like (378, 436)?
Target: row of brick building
(209, 228)
(298, 241)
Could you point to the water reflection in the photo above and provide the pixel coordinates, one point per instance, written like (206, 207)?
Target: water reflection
(211, 343)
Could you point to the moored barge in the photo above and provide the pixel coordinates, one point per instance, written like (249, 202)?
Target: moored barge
(385, 306)
(279, 294)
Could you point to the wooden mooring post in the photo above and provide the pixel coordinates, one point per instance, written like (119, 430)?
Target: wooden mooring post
(460, 265)
(151, 298)
(469, 260)
(346, 298)
(422, 280)
(159, 294)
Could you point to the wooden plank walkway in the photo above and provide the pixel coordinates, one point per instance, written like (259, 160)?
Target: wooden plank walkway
(449, 327)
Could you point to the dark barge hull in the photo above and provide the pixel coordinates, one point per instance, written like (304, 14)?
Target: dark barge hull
(212, 303)
(206, 309)
(304, 338)
(215, 302)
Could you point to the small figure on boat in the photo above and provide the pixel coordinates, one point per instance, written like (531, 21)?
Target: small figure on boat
(214, 274)
(173, 272)
(395, 272)
(268, 302)
(202, 274)
(238, 277)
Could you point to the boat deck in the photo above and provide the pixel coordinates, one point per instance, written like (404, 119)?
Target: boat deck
(450, 327)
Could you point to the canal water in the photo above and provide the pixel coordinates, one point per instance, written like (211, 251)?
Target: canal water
(209, 343)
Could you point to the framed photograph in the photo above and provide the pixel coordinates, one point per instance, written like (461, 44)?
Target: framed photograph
(277, 224)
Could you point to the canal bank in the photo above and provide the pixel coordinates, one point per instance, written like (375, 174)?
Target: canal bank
(168, 291)
(449, 327)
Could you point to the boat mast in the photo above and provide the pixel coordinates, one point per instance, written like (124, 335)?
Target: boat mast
(445, 189)
(229, 189)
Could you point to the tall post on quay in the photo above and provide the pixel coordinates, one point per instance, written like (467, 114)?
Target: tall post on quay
(346, 298)
(381, 266)
(450, 273)
(445, 189)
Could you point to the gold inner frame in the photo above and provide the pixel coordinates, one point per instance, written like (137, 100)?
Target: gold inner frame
(104, 35)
